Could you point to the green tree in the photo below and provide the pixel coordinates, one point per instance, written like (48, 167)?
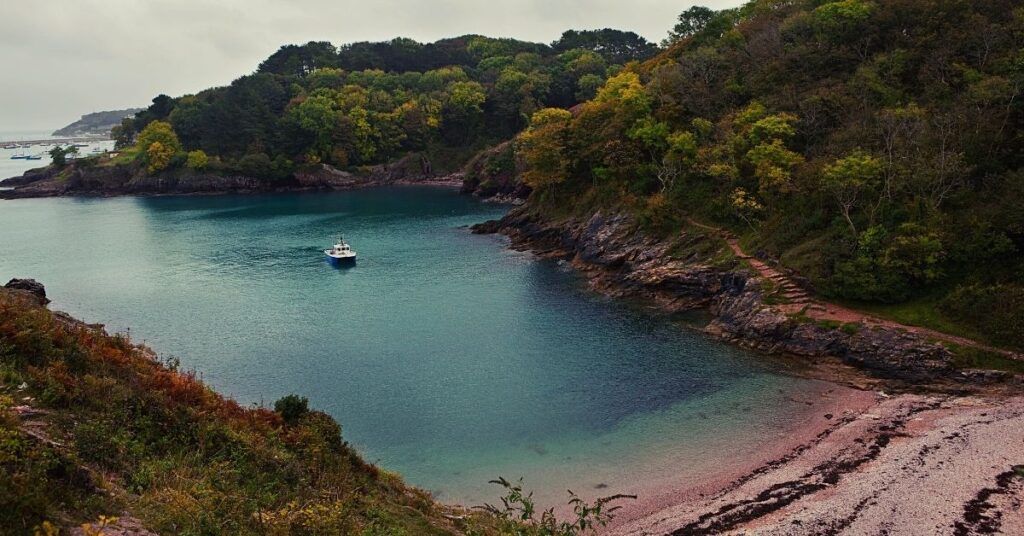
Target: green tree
(745, 206)
(517, 95)
(849, 178)
(690, 22)
(318, 115)
(197, 160)
(616, 46)
(773, 164)
(581, 62)
(772, 127)
(839, 18)
(157, 144)
(680, 157)
(626, 90)
(542, 146)
(587, 86)
(462, 109)
(187, 120)
(364, 134)
(123, 134)
(158, 157)
(326, 77)
(842, 24)
(158, 131)
(58, 156)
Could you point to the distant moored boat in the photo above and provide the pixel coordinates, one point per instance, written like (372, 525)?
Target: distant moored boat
(341, 252)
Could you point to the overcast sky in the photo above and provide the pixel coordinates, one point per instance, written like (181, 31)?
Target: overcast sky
(63, 58)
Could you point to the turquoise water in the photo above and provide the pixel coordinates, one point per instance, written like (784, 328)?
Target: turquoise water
(445, 356)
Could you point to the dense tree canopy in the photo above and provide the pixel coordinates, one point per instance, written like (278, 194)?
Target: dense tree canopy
(367, 103)
(875, 147)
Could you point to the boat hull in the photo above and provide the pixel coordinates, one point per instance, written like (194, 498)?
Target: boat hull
(341, 260)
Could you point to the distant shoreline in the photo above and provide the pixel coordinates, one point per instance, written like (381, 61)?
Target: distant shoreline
(59, 139)
(102, 182)
(88, 178)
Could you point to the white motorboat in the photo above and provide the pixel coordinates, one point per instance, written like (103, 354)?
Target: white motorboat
(341, 252)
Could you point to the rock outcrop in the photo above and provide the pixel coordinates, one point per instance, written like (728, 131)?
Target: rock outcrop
(675, 274)
(493, 174)
(29, 287)
(740, 315)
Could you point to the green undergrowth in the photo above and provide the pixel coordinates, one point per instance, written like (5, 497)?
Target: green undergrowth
(923, 312)
(849, 328)
(94, 428)
(101, 428)
(967, 357)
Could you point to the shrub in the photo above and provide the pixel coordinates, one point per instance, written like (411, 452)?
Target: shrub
(292, 408)
(518, 513)
(889, 267)
(157, 144)
(995, 310)
(197, 160)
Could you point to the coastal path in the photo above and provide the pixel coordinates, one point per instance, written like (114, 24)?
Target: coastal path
(800, 301)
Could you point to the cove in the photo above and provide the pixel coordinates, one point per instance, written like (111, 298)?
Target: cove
(445, 356)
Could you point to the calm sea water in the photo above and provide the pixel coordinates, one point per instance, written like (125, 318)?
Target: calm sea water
(11, 167)
(445, 356)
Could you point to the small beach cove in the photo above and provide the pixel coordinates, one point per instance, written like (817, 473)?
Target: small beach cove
(446, 357)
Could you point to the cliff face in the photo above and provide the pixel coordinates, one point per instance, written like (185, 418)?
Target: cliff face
(676, 274)
(494, 174)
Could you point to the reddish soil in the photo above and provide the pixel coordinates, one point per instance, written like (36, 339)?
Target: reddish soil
(798, 300)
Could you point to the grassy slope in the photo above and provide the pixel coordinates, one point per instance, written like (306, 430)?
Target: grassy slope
(92, 425)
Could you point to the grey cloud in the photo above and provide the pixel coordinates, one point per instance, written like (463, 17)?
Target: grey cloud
(64, 58)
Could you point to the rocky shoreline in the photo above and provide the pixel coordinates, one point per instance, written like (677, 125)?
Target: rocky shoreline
(675, 274)
(123, 180)
(942, 454)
